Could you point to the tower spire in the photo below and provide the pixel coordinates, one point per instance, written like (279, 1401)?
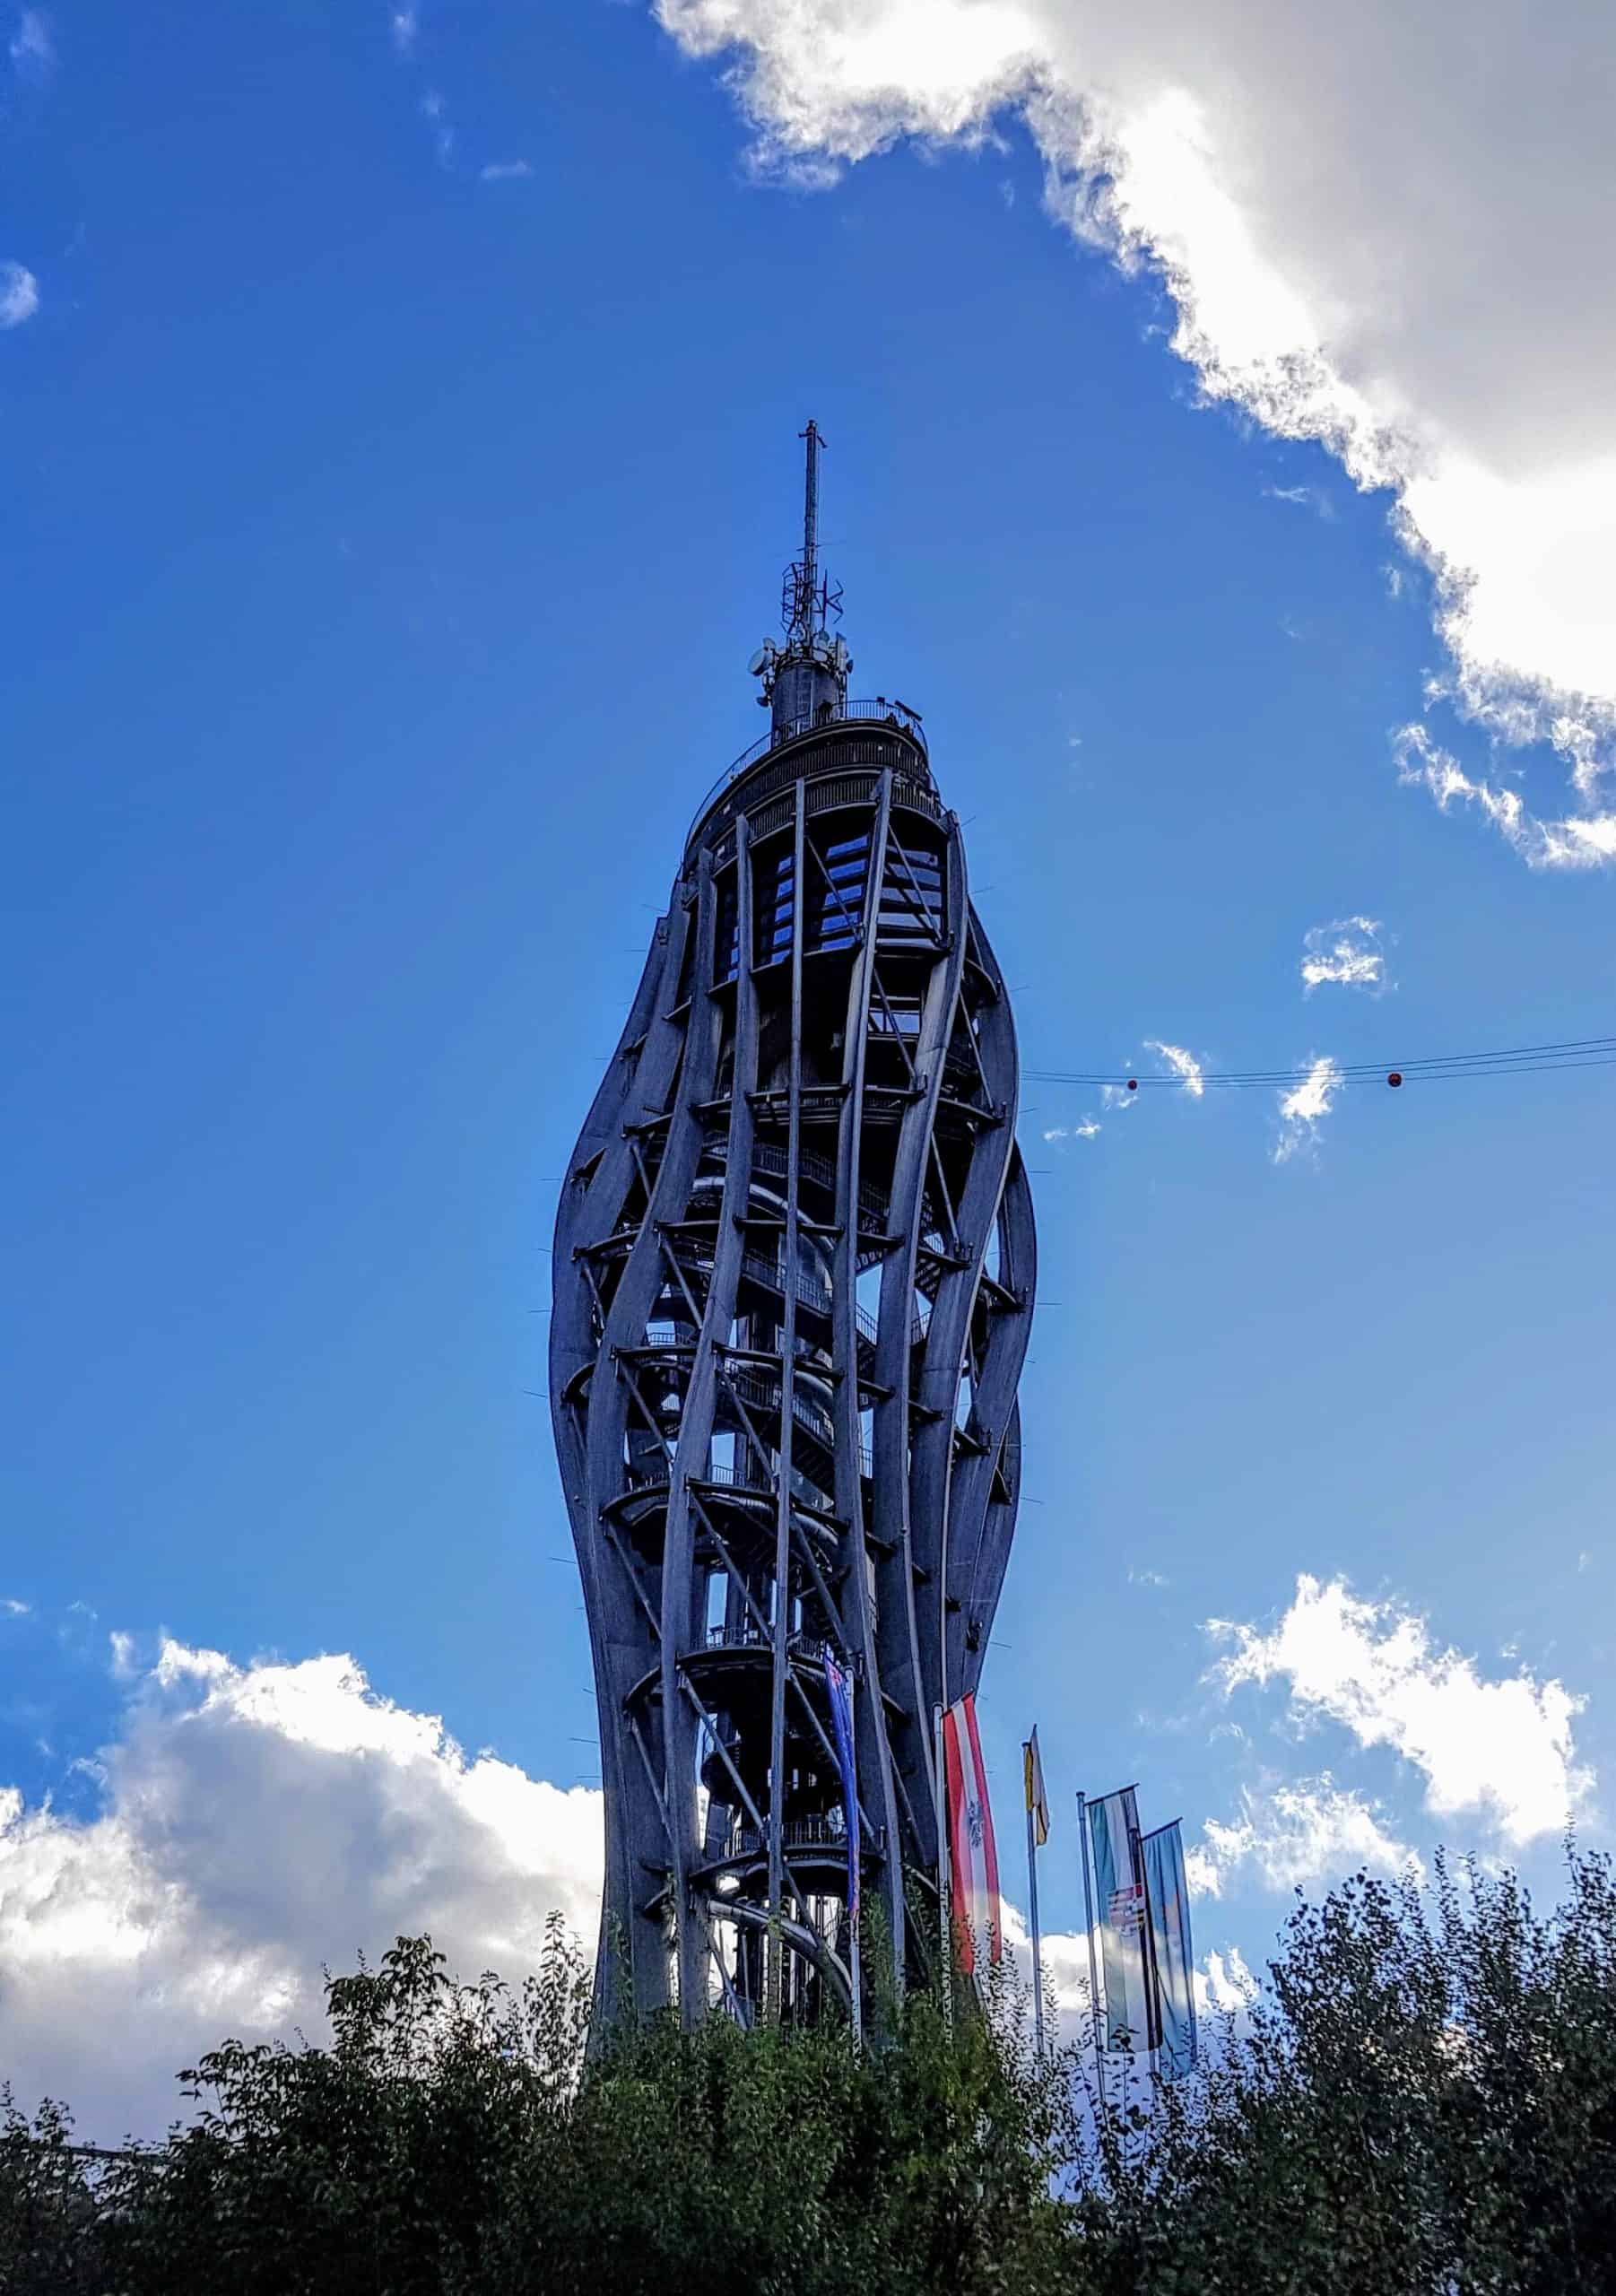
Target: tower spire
(808, 602)
(805, 680)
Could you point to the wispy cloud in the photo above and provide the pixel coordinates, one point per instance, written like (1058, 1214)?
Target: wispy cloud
(1346, 952)
(12, 1608)
(402, 25)
(504, 170)
(1310, 1829)
(443, 134)
(1183, 1066)
(1305, 497)
(1503, 1749)
(30, 46)
(1304, 1107)
(1116, 1096)
(1579, 841)
(1085, 1128)
(19, 294)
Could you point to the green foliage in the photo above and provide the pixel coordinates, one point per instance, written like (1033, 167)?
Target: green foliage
(1423, 2103)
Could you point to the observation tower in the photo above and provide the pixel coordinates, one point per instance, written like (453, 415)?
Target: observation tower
(794, 1280)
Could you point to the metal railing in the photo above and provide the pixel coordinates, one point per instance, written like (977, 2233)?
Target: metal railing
(804, 1833)
(765, 1393)
(748, 1636)
(768, 1158)
(742, 1480)
(878, 712)
(817, 1296)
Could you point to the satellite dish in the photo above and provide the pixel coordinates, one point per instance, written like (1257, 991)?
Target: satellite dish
(760, 660)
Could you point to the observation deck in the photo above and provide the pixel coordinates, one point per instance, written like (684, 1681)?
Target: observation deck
(840, 737)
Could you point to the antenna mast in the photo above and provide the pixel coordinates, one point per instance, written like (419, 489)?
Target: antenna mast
(805, 680)
(808, 606)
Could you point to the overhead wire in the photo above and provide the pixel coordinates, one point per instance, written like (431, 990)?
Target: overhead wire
(1431, 1068)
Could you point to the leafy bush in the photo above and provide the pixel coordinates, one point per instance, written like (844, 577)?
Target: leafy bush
(1422, 2103)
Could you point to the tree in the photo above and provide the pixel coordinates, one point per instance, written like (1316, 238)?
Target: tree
(1422, 2103)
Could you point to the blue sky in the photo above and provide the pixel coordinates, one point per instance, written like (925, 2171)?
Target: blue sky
(398, 420)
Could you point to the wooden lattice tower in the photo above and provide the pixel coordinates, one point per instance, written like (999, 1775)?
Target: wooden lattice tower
(794, 1278)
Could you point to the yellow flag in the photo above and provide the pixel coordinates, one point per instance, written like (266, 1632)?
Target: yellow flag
(1033, 1771)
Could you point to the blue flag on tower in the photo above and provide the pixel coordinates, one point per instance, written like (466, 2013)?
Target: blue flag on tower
(841, 1691)
(1167, 1898)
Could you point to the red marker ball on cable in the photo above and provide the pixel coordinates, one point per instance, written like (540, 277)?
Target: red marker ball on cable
(1395, 1078)
(1133, 1083)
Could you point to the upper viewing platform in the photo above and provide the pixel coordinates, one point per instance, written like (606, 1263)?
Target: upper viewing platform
(839, 735)
(815, 733)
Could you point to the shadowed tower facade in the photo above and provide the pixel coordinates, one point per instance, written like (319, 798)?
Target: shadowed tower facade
(793, 1279)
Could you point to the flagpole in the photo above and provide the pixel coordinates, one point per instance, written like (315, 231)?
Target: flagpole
(945, 1909)
(1032, 1906)
(1038, 1956)
(1083, 1851)
(859, 1867)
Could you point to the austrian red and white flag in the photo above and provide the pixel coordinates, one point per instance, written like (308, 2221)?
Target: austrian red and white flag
(973, 1860)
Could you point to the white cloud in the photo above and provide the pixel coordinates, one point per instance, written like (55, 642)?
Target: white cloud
(1308, 1831)
(404, 24)
(19, 294)
(1304, 1107)
(1305, 498)
(1576, 841)
(1085, 1128)
(1184, 1065)
(505, 171)
(255, 1822)
(433, 109)
(30, 46)
(1501, 1748)
(1225, 1986)
(1320, 192)
(1116, 1096)
(1346, 952)
(13, 1608)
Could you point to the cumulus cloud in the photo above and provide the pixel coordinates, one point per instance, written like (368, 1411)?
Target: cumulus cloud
(1183, 1065)
(1308, 1831)
(19, 294)
(1576, 841)
(1320, 195)
(1304, 1107)
(1503, 1750)
(1348, 953)
(253, 1822)
(1224, 1986)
